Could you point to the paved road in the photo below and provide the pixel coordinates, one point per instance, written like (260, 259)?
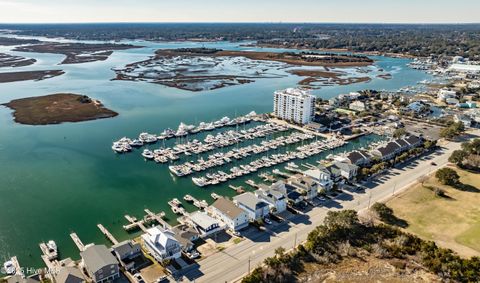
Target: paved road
(233, 263)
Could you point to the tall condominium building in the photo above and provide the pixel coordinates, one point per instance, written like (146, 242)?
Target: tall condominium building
(294, 105)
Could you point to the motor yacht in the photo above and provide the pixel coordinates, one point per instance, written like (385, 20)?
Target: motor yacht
(9, 268)
(148, 154)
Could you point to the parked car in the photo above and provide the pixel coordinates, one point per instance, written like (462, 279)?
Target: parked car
(268, 221)
(433, 163)
(193, 254)
(161, 278)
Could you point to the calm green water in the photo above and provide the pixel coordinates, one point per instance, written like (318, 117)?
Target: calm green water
(63, 178)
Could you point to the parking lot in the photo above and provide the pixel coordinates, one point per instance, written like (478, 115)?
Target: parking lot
(429, 131)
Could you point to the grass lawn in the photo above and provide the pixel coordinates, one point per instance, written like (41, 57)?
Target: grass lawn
(453, 222)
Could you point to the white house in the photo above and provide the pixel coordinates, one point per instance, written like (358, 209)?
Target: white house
(357, 106)
(305, 185)
(445, 93)
(274, 196)
(322, 176)
(161, 244)
(226, 211)
(205, 224)
(255, 208)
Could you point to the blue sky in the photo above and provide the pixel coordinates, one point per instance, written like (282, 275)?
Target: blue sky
(358, 11)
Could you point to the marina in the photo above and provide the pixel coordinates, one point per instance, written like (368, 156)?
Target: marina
(301, 152)
(125, 144)
(219, 158)
(78, 154)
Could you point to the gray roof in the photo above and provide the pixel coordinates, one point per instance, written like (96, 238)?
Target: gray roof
(250, 200)
(97, 256)
(411, 139)
(356, 156)
(228, 208)
(303, 181)
(126, 247)
(389, 148)
(184, 234)
(345, 166)
(69, 274)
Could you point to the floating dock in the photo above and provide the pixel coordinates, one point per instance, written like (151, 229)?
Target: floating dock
(50, 255)
(107, 234)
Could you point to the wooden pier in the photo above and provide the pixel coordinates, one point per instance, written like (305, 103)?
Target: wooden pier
(77, 241)
(267, 177)
(238, 190)
(280, 173)
(18, 268)
(134, 223)
(107, 234)
(158, 217)
(308, 166)
(252, 183)
(50, 255)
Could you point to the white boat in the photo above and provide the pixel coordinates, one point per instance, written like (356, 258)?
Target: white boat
(9, 268)
(117, 147)
(188, 198)
(136, 143)
(52, 246)
(201, 182)
(148, 154)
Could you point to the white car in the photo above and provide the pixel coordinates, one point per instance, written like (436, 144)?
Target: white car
(193, 254)
(268, 221)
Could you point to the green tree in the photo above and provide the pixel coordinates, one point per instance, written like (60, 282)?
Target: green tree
(447, 176)
(472, 147)
(399, 132)
(382, 211)
(457, 157)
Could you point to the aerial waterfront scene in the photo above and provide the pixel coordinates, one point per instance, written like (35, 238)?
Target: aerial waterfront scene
(136, 148)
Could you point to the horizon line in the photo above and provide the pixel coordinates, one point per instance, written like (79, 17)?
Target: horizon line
(240, 22)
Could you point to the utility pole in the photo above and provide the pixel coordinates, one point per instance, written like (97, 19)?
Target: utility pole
(248, 264)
